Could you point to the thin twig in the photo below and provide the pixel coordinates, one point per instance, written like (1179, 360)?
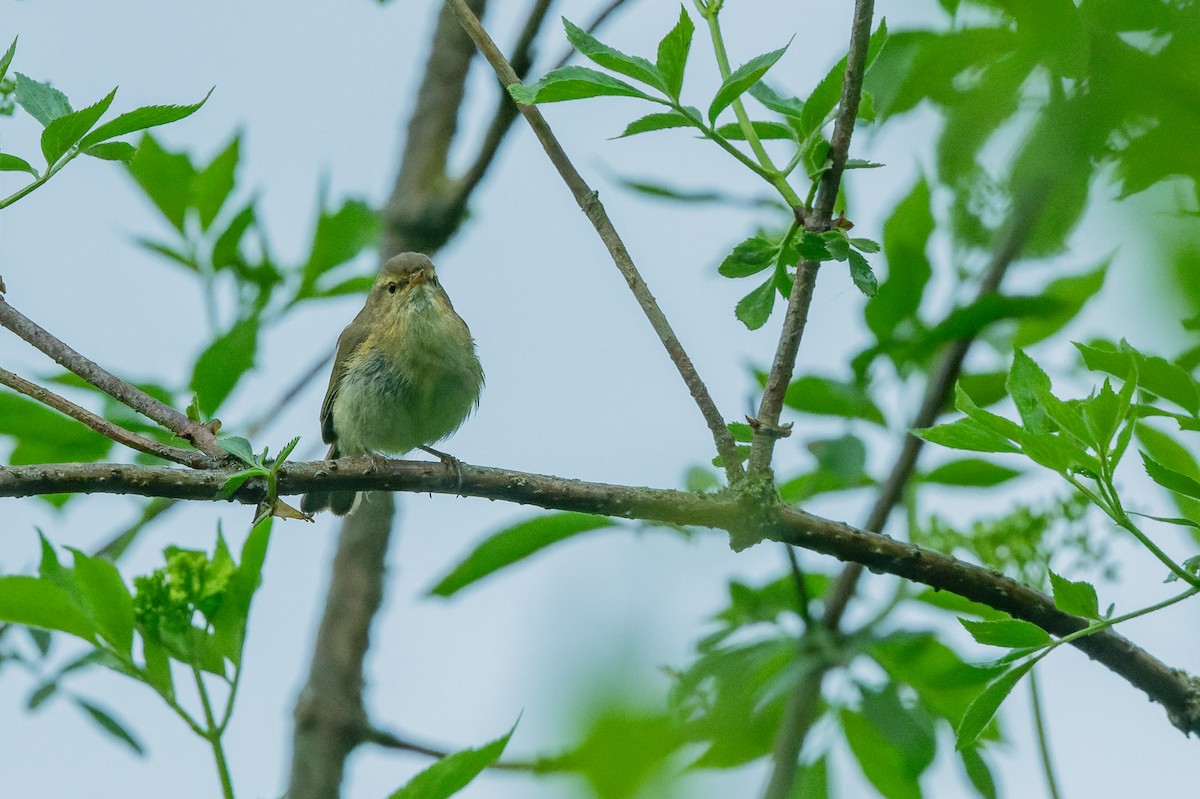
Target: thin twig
(1039, 724)
(796, 316)
(187, 457)
(590, 204)
(390, 741)
(197, 434)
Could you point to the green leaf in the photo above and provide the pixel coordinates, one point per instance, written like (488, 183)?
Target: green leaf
(7, 58)
(1013, 633)
(573, 83)
(652, 122)
(749, 257)
(225, 250)
(41, 603)
(966, 434)
(861, 274)
(169, 253)
(905, 237)
(1076, 598)
(43, 102)
(165, 177)
(981, 711)
(1170, 479)
(858, 163)
(239, 448)
(865, 245)
(673, 53)
(1027, 384)
(451, 774)
(755, 307)
(1169, 452)
(973, 472)
(46, 436)
(144, 118)
(158, 667)
(631, 66)
(1154, 374)
(232, 618)
(112, 151)
(979, 773)
(742, 79)
(828, 92)
(63, 132)
(884, 764)
(11, 163)
(111, 725)
(514, 544)
(791, 107)
(106, 599)
(340, 236)
(764, 130)
(828, 397)
(211, 186)
(1071, 294)
(222, 364)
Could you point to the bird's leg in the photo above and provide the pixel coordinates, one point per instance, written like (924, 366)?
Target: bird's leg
(377, 459)
(451, 462)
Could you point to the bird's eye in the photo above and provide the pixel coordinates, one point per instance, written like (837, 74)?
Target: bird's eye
(391, 288)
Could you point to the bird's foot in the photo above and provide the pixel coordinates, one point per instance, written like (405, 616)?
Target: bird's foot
(451, 462)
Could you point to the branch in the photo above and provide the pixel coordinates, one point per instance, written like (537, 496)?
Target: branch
(819, 219)
(187, 457)
(390, 741)
(590, 204)
(1176, 691)
(199, 435)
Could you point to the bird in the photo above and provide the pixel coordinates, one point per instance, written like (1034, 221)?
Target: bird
(406, 374)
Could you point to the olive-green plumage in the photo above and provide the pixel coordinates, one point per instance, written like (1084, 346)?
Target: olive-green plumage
(405, 374)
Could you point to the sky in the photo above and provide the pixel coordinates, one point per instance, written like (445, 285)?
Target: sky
(577, 385)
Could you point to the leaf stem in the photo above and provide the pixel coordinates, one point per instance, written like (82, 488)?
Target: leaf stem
(1039, 723)
(27, 189)
(213, 734)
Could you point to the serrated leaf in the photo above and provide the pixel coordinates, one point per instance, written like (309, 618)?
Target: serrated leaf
(573, 83)
(11, 163)
(754, 309)
(966, 434)
(65, 131)
(112, 151)
(742, 79)
(165, 177)
(631, 66)
(41, 603)
(43, 102)
(1027, 384)
(749, 257)
(1012, 633)
(143, 118)
(7, 58)
(340, 236)
(1077, 598)
(1169, 478)
(828, 92)
(652, 122)
(858, 163)
(790, 107)
(222, 364)
(981, 711)
(211, 186)
(106, 599)
(236, 481)
(865, 245)
(451, 774)
(239, 448)
(862, 275)
(514, 544)
(673, 52)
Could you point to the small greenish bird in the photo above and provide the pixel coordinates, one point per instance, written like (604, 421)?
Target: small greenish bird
(405, 375)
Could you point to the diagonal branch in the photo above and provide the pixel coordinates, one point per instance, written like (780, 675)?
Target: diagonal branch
(1178, 692)
(187, 457)
(197, 434)
(819, 218)
(590, 204)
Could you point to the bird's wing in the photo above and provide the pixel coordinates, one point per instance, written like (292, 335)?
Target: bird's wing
(350, 340)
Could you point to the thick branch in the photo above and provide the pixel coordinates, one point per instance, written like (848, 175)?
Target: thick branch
(187, 457)
(590, 204)
(818, 219)
(199, 435)
(1177, 692)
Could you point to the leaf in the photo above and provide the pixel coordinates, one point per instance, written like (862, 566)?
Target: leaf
(41, 603)
(106, 599)
(966, 434)
(883, 763)
(111, 725)
(222, 364)
(828, 397)
(144, 118)
(43, 102)
(112, 151)
(858, 163)
(979, 773)
(7, 58)
(1071, 294)
(1027, 384)
(764, 130)
(673, 53)
(861, 274)
(905, 238)
(1012, 633)
(11, 163)
(514, 544)
(232, 618)
(165, 177)
(211, 186)
(1154, 374)
(742, 79)
(755, 307)
(65, 131)
(451, 774)
(239, 448)
(572, 83)
(749, 257)
(652, 122)
(1076, 598)
(973, 472)
(828, 92)
(1170, 479)
(986, 704)
(1169, 452)
(790, 107)
(340, 236)
(46, 436)
(631, 66)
